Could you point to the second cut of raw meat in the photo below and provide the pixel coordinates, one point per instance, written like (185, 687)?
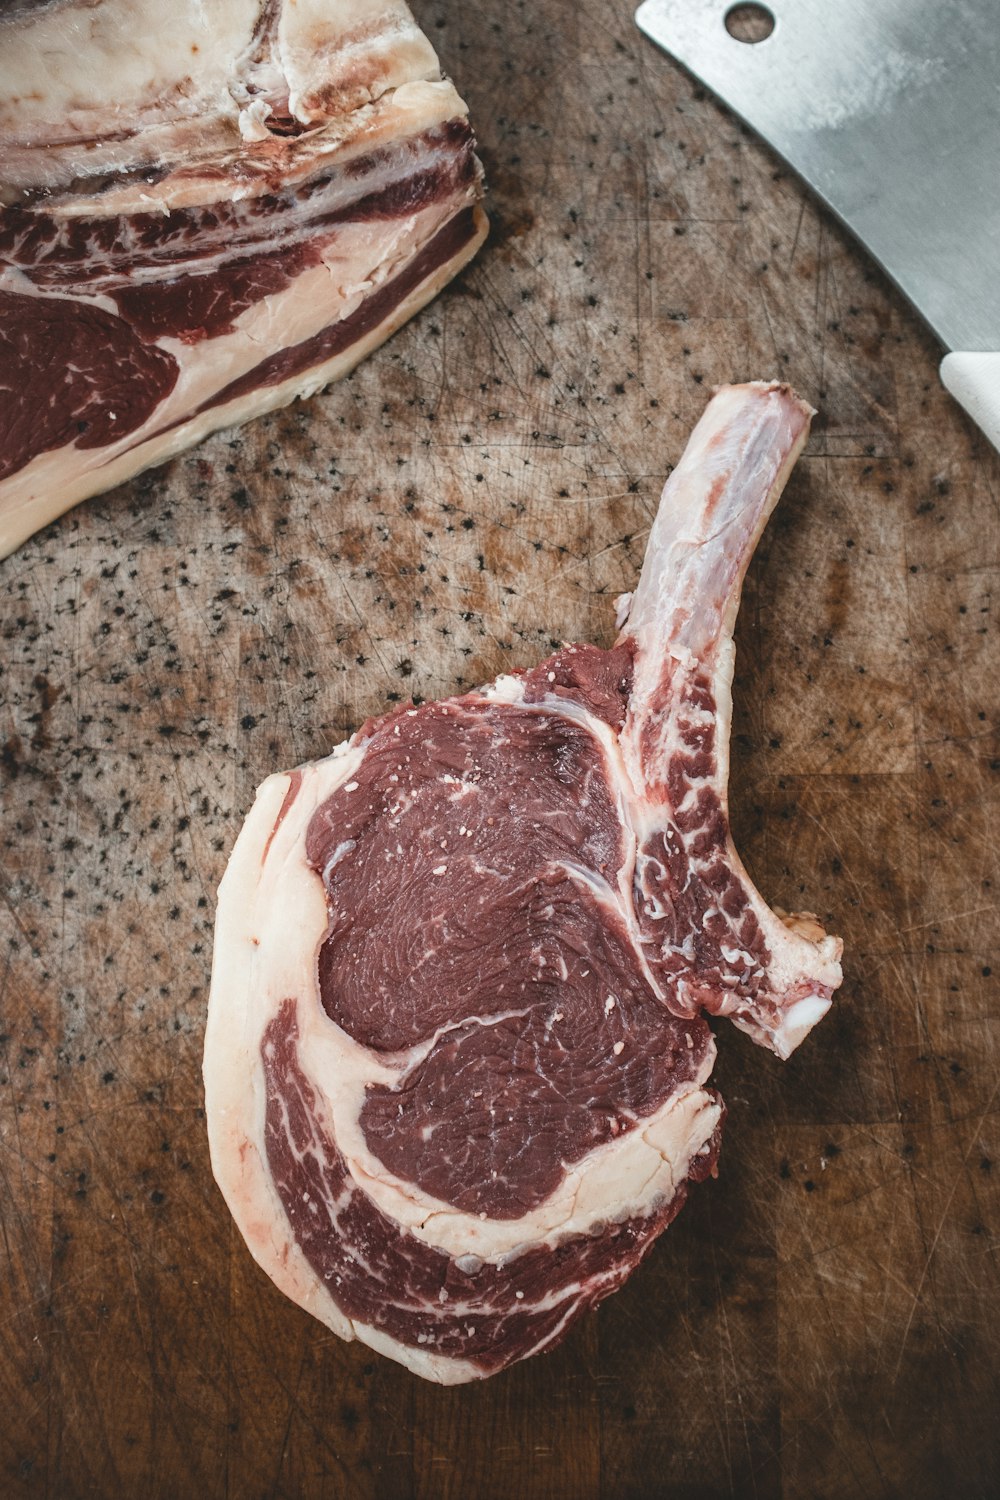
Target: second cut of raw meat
(207, 209)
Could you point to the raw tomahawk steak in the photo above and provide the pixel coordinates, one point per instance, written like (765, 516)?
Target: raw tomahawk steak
(207, 208)
(456, 1060)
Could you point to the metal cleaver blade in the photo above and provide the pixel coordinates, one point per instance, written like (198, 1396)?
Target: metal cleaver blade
(890, 111)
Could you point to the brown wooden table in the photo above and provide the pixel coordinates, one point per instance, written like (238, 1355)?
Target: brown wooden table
(823, 1321)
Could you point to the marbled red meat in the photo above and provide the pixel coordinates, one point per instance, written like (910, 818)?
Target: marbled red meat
(457, 1057)
(113, 381)
(276, 189)
(486, 1314)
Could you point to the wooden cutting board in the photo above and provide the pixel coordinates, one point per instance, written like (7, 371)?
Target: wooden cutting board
(822, 1321)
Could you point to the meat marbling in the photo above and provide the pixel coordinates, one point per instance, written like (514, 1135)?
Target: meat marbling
(456, 1064)
(207, 209)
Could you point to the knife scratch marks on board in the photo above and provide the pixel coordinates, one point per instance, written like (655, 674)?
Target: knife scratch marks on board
(727, 1366)
(798, 230)
(762, 293)
(575, 566)
(16, 919)
(361, 618)
(832, 842)
(282, 1448)
(824, 271)
(548, 357)
(940, 918)
(43, 1298)
(942, 1220)
(190, 825)
(13, 1199)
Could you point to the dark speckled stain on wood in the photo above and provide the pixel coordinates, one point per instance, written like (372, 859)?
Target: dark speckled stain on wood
(824, 1321)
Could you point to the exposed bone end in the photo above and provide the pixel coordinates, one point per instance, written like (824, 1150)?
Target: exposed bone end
(797, 1022)
(806, 924)
(781, 386)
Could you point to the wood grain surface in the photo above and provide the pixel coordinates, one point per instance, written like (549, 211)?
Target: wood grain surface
(822, 1321)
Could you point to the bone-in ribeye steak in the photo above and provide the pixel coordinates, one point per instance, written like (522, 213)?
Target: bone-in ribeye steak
(456, 1060)
(207, 208)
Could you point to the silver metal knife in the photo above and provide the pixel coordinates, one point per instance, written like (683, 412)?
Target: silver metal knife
(890, 111)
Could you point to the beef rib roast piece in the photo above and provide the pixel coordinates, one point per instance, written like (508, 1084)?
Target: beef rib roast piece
(207, 208)
(456, 1059)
